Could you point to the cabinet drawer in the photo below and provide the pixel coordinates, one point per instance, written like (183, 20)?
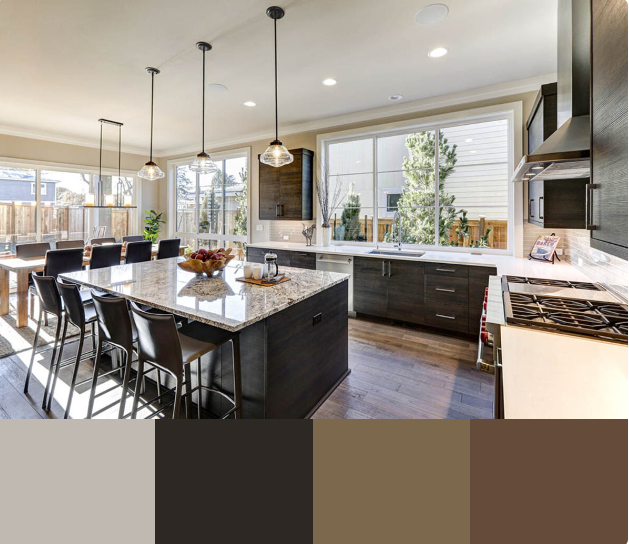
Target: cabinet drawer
(453, 317)
(255, 254)
(446, 289)
(303, 260)
(450, 270)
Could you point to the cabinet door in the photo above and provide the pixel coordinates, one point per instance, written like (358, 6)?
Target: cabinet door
(405, 291)
(536, 195)
(305, 260)
(255, 254)
(269, 192)
(370, 286)
(609, 126)
(290, 195)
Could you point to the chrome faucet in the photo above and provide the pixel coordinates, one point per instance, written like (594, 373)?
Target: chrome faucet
(397, 243)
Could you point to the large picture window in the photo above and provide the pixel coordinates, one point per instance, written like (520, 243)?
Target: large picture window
(211, 210)
(448, 183)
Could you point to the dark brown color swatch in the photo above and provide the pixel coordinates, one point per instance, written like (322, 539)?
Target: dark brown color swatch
(391, 481)
(549, 482)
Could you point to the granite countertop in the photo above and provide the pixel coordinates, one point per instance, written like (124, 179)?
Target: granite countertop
(505, 264)
(220, 301)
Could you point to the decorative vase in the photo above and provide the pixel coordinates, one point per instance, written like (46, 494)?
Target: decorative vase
(327, 236)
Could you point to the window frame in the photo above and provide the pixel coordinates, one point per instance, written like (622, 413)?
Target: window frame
(173, 164)
(511, 112)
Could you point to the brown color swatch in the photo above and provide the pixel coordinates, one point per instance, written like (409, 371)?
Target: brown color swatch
(391, 481)
(549, 482)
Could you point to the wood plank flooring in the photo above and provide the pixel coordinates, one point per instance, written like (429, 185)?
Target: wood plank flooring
(397, 373)
(402, 373)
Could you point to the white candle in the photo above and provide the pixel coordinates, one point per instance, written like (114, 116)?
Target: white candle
(109, 200)
(90, 199)
(128, 201)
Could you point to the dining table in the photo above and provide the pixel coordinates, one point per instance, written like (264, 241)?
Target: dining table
(22, 268)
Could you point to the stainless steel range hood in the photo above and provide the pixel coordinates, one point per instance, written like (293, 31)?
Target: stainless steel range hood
(566, 153)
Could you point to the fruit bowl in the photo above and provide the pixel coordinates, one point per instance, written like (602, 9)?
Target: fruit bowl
(209, 262)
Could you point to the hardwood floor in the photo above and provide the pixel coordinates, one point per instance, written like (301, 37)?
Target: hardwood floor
(397, 373)
(402, 373)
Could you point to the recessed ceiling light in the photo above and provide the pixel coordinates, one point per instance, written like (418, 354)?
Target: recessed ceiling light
(431, 14)
(329, 82)
(437, 52)
(395, 97)
(216, 88)
(249, 104)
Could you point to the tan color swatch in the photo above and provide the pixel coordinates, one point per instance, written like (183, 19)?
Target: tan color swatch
(391, 481)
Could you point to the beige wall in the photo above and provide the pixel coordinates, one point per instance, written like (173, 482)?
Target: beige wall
(13, 147)
(309, 141)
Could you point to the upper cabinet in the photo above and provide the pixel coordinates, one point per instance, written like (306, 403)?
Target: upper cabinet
(608, 204)
(543, 119)
(287, 192)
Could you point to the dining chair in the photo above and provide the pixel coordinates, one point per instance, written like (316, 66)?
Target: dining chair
(135, 238)
(105, 256)
(165, 347)
(169, 248)
(138, 252)
(70, 244)
(31, 251)
(101, 241)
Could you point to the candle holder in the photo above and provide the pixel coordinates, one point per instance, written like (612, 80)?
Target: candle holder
(128, 201)
(90, 199)
(109, 200)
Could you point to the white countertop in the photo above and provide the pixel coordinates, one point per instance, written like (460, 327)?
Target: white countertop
(514, 266)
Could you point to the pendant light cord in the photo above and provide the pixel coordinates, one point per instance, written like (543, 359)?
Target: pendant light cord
(119, 149)
(152, 94)
(276, 122)
(100, 166)
(203, 109)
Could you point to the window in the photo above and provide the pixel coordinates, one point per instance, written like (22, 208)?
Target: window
(62, 214)
(211, 210)
(44, 188)
(18, 211)
(449, 184)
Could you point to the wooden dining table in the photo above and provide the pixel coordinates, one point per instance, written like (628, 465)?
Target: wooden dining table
(23, 268)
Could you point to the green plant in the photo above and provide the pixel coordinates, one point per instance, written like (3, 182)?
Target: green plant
(240, 228)
(350, 218)
(153, 224)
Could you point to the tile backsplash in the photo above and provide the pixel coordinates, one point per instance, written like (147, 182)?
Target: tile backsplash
(279, 229)
(531, 233)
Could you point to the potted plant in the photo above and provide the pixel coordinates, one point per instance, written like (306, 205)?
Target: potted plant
(153, 224)
(329, 199)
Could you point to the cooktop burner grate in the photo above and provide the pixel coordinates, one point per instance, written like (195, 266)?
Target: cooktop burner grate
(583, 285)
(613, 311)
(563, 304)
(580, 320)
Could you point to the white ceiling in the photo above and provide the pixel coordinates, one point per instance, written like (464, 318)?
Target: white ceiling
(66, 63)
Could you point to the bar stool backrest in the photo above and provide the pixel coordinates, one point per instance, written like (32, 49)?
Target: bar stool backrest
(70, 244)
(105, 256)
(158, 340)
(48, 293)
(29, 251)
(136, 238)
(101, 241)
(114, 321)
(138, 252)
(73, 304)
(59, 261)
(168, 248)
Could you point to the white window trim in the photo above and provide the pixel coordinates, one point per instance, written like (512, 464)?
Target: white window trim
(512, 111)
(171, 167)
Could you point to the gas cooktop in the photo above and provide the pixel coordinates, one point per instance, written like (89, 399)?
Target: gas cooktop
(555, 283)
(599, 318)
(580, 290)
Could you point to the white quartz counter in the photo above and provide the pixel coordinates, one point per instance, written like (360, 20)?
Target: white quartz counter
(221, 301)
(514, 266)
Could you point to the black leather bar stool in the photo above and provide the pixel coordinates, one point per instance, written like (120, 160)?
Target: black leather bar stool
(116, 328)
(70, 244)
(135, 238)
(173, 351)
(105, 256)
(101, 241)
(138, 252)
(167, 249)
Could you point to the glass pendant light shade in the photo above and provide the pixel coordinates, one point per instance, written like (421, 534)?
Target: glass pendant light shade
(203, 164)
(276, 155)
(151, 172)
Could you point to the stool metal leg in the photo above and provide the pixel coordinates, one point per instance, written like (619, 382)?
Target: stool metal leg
(77, 363)
(90, 404)
(199, 390)
(136, 397)
(35, 342)
(237, 379)
(52, 361)
(177, 406)
(128, 357)
(188, 399)
(58, 365)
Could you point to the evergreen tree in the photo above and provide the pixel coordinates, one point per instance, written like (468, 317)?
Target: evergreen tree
(350, 218)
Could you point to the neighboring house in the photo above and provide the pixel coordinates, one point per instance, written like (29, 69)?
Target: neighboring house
(24, 191)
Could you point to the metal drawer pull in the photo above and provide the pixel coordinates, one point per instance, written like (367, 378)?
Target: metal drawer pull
(389, 268)
(302, 254)
(445, 316)
(445, 270)
(277, 210)
(383, 273)
(445, 290)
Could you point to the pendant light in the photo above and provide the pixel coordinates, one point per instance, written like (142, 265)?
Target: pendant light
(276, 154)
(203, 164)
(150, 170)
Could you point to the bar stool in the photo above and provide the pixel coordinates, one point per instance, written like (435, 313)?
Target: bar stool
(101, 241)
(166, 249)
(134, 238)
(105, 256)
(138, 252)
(173, 351)
(70, 244)
(115, 327)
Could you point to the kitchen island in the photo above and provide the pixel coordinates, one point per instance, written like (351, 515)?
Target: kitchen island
(293, 336)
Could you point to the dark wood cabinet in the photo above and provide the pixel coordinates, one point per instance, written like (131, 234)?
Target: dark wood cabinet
(478, 282)
(405, 291)
(371, 286)
(543, 119)
(608, 213)
(286, 193)
(305, 260)
(557, 204)
(295, 259)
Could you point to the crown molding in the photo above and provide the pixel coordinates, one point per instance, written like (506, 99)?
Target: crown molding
(55, 138)
(464, 97)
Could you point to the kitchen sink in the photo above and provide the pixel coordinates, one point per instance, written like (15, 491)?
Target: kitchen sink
(397, 252)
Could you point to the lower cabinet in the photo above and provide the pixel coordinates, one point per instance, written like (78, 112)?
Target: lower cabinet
(295, 259)
(370, 286)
